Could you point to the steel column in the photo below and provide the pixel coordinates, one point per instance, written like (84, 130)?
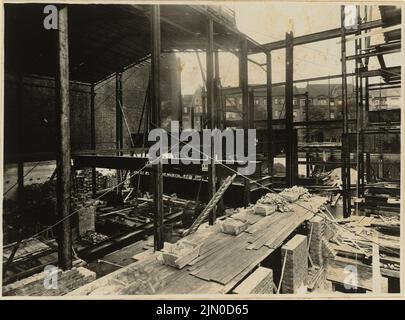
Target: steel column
(244, 84)
(269, 97)
(289, 120)
(345, 138)
(156, 123)
(308, 167)
(211, 112)
(93, 137)
(63, 145)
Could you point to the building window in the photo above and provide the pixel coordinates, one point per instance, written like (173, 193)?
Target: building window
(275, 101)
(185, 109)
(295, 114)
(277, 114)
(302, 102)
(230, 102)
(339, 102)
(265, 102)
(380, 102)
(257, 102)
(322, 101)
(332, 102)
(332, 115)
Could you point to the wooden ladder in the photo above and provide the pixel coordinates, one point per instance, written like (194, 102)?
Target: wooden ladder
(211, 204)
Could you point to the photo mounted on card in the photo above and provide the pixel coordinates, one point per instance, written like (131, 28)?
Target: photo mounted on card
(199, 150)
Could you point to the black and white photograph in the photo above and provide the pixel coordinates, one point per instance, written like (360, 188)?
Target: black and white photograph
(234, 149)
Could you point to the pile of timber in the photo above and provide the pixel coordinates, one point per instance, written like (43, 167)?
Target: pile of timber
(354, 245)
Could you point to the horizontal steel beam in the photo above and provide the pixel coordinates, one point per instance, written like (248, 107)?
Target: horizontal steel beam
(373, 54)
(138, 163)
(321, 36)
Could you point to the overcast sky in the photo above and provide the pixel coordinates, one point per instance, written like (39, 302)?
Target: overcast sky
(269, 21)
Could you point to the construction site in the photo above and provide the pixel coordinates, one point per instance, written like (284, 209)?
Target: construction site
(276, 139)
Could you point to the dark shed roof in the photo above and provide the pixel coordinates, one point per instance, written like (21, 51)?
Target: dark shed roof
(105, 38)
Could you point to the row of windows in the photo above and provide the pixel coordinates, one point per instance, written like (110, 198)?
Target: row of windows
(231, 101)
(278, 114)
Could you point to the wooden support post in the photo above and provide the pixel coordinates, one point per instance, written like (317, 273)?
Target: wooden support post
(376, 269)
(19, 135)
(93, 137)
(244, 84)
(345, 138)
(211, 112)
(270, 156)
(63, 145)
(156, 123)
(289, 125)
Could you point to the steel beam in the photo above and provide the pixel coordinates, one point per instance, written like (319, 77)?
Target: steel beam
(372, 54)
(63, 145)
(318, 36)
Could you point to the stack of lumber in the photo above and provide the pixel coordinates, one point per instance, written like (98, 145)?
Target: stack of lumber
(270, 203)
(294, 193)
(180, 253)
(234, 226)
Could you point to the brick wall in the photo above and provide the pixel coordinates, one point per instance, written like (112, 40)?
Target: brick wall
(68, 280)
(296, 264)
(317, 224)
(87, 219)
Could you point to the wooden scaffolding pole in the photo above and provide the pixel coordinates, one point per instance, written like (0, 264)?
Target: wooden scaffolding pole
(211, 112)
(63, 145)
(156, 123)
(19, 135)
